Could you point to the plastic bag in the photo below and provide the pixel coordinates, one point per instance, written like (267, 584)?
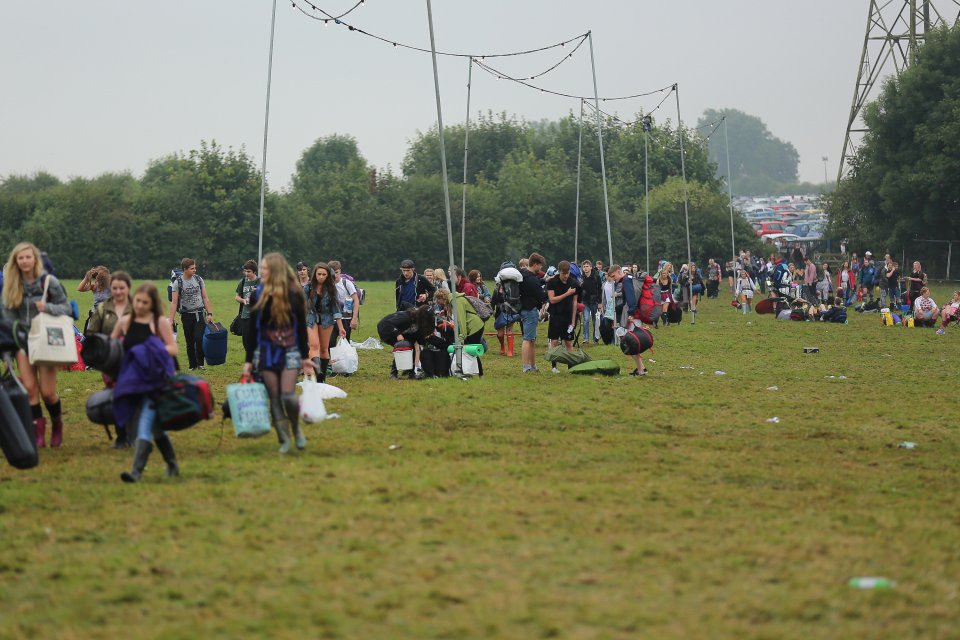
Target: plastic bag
(344, 358)
(369, 343)
(312, 408)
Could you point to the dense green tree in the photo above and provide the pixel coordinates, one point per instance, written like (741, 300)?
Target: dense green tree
(754, 151)
(903, 181)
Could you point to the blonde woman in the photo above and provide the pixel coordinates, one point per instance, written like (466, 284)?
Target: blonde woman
(278, 314)
(23, 282)
(440, 279)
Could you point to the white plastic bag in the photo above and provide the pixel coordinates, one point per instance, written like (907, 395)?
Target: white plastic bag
(344, 358)
(369, 343)
(312, 408)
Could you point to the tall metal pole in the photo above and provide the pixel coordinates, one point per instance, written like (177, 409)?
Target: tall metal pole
(646, 180)
(686, 206)
(576, 226)
(458, 346)
(466, 155)
(603, 166)
(266, 129)
(733, 241)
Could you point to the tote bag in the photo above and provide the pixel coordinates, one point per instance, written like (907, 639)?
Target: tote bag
(51, 342)
(249, 408)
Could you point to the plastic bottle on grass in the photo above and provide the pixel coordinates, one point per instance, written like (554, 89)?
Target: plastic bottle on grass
(870, 582)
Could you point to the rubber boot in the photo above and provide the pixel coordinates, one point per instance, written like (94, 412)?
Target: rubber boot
(121, 442)
(509, 345)
(292, 406)
(165, 446)
(141, 452)
(56, 431)
(40, 427)
(282, 424)
(500, 338)
(324, 367)
(318, 368)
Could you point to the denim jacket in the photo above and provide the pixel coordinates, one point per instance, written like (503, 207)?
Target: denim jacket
(328, 310)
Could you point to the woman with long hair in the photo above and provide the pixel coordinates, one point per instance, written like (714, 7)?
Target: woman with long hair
(23, 283)
(665, 283)
(147, 337)
(325, 305)
(279, 317)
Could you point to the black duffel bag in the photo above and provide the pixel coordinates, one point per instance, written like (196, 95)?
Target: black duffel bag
(103, 353)
(16, 424)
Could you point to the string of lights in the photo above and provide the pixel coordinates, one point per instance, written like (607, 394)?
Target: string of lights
(632, 122)
(554, 66)
(345, 13)
(500, 75)
(327, 18)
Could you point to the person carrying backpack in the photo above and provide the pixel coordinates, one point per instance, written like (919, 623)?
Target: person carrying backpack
(189, 299)
(506, 299)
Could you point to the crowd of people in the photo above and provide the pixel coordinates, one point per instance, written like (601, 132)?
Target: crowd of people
(290, 318)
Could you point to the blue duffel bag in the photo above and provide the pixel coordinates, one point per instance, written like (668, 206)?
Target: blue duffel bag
(215, 343)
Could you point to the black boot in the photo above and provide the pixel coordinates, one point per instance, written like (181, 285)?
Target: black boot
(322, 373)
(121, 442)
(141, 452)
(317, 368)
(165, 446)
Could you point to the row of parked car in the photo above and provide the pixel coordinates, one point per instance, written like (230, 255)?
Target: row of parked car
(785, 220)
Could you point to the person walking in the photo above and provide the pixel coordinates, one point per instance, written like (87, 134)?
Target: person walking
(245, 288)
(349, 299)
(563, 292)
(323, 300)
(191, 302)
(412, 289)
(590, 293)
(278, 313)
(149, 351)
(532, 300)
(27, 291)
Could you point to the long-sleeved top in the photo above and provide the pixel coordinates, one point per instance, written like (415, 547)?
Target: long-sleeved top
(532, 295)
(810, 274)
(57, 303)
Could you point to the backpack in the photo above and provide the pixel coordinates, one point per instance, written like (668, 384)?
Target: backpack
(639, 299)
(482, 308)
(781, 274)
(867, 274)
(176, 278)
(511, 296)
(183, 401)
(361, 293)
(576, 272)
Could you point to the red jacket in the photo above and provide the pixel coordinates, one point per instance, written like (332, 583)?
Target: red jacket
(851, 278)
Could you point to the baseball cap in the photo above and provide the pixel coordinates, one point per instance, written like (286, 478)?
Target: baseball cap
(407, 264)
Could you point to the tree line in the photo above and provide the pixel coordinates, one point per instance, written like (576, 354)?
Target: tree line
(520, 197)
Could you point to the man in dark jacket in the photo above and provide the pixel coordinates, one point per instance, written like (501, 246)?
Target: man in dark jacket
(591, 288)
(532, 299)
(412, 289)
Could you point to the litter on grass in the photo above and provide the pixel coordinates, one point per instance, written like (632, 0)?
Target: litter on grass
(686, 367)
(906, 444)
(773, 388)
(871, 582)
(394, 447)
(720, 373)
(773, 420)
(369, 343)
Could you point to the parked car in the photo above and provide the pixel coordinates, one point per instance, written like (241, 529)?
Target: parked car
(766, 228)
(805, 231)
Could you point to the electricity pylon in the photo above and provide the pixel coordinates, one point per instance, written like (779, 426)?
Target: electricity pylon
(895, 30)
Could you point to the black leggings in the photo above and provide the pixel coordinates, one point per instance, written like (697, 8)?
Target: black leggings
(193, 325)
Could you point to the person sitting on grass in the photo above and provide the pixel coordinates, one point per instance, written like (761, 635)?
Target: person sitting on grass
(925, 310)
(951, 312)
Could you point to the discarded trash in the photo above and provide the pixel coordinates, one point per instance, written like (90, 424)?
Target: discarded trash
(841, 377)
(652, 360)
(872, 583)
(773, 388)
(773, 420)
(906, 444)
(720, 373)
(749, 323)
(369, 343)
(394, 447)
(829, 377)
(811, 349)
(686, 367)
(701, 373)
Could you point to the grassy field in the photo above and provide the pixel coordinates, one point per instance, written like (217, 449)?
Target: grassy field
(525, 506)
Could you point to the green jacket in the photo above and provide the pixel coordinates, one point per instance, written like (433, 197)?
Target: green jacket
(468, 322)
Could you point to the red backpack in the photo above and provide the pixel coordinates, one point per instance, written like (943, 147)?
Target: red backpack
(648, 310)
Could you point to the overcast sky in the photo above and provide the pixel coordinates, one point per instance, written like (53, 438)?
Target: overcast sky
(107, 85)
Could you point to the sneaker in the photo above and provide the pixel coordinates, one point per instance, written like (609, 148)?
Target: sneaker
(419, 375)
(394, 375)
(940, 331)
(202, 368)
(534, 370)
(554, 370)
(635, 373)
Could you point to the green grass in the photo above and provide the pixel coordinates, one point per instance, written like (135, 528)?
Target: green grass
(525, 506)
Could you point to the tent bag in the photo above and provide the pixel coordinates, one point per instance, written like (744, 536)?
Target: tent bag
(215, 343)
(16, 424)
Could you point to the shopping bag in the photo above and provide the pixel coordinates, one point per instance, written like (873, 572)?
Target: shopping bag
(344, 358)
(51, 342)
(312, 408)
(249, 408)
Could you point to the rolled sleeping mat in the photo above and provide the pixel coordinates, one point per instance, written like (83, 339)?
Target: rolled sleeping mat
(17, 438)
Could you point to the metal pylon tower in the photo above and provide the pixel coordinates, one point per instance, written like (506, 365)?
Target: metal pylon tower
(895, 30)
